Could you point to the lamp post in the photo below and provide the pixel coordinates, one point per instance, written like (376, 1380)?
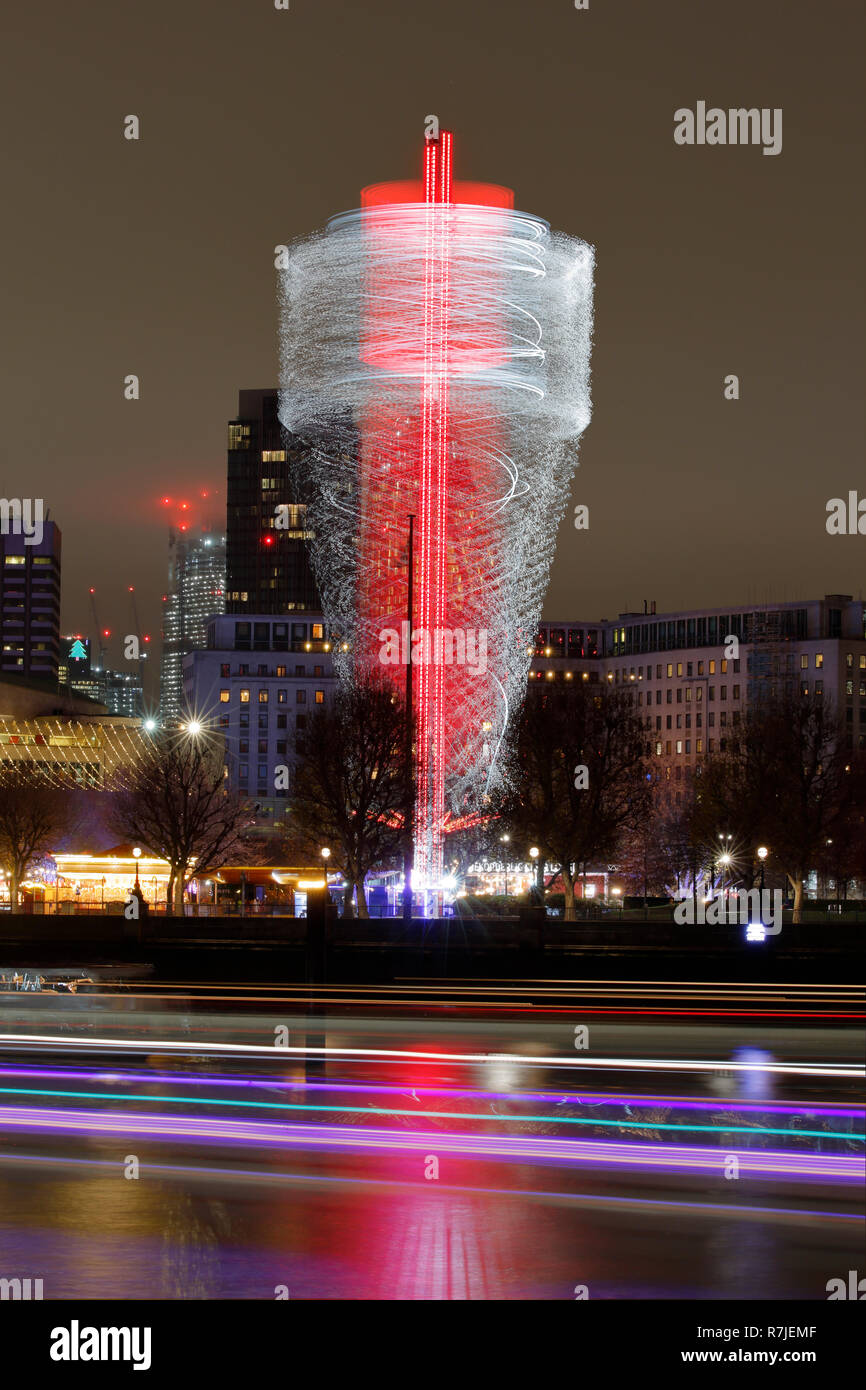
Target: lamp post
(724, 860)
(762, 855)
(504, 839)
(533, 854)
(326, 854)
(136, 854)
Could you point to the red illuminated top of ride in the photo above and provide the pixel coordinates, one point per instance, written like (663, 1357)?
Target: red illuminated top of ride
(437, 185)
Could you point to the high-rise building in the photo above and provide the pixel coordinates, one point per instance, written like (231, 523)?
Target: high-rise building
(122, 693)
(196, 593)
(267, 561)
(30, 603)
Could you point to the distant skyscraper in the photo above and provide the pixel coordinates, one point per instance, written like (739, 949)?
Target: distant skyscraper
(267, 557)
(196, 593)
(30, 604)
(120, 691)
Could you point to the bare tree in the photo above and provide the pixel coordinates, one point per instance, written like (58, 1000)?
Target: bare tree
(577, 776)
(352, 783)
(175, 804)
(32, 815)
(656, 853)
(784, 779)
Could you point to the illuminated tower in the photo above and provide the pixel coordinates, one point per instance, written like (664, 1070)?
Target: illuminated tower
(435, 349)
(423, 346)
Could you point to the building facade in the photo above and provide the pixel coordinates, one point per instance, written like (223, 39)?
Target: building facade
(121, 692)
(30, 604)
(257, 683)
(267, 561)
(692, 683)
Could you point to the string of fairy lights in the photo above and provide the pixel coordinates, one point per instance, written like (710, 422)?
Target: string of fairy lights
(64, 752)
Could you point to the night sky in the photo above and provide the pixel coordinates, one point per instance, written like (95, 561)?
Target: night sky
(156, 258)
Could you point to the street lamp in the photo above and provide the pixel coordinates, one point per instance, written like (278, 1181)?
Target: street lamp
(504, 839)
(136, 853)
(533, 854)
(762, 855)
(724, 860)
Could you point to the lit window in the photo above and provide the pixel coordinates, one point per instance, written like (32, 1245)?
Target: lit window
(320, 697)
(225, 696)
(263, 697)
(245, 697)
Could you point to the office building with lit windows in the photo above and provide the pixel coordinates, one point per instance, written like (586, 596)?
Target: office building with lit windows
(256, 684)
(196, 593)
(267, 557)
(121, 692)
(690, 693)
(30, 604)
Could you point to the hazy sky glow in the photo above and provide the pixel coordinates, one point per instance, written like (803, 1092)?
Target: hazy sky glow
(156, 257)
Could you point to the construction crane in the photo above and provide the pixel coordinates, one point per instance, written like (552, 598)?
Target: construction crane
(142, 637)
(102, 634)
